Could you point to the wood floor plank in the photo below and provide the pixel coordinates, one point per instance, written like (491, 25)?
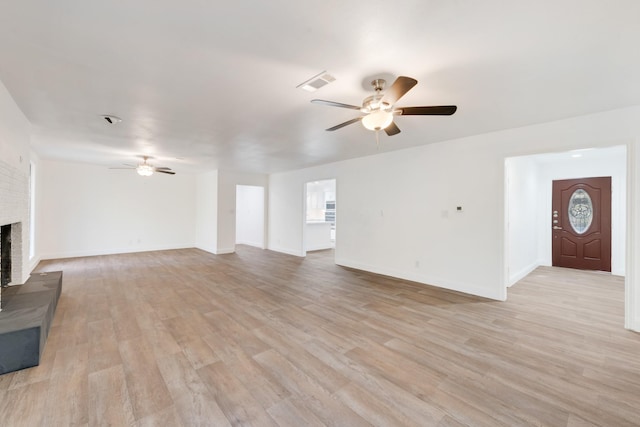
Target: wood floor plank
(155, 332)
(168, 417)
(200, 410)
(180, 377)
(287, 413)
(326, 377)
(317, 399)
(260, 384)
(69, 384)
(187, 338)
(233, 397)
(103, 345)
(372, 409)
(109, 403)
(24, 406)
(147, 390)
(199, 353)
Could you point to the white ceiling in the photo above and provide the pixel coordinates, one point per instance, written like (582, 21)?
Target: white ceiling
(208, 84)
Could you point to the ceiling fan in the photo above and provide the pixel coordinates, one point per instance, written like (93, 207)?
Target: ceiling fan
(379, 109)
(146, 169)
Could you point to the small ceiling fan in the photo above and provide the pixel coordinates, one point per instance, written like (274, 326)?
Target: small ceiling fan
(146, 169)
(379, 109)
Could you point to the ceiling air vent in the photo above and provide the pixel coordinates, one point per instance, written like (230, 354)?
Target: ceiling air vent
(316, 82)
(112, 120)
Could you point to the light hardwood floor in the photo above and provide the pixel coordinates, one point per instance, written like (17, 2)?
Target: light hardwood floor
(186, 338)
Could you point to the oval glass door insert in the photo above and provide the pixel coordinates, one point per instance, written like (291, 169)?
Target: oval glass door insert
(580, 211)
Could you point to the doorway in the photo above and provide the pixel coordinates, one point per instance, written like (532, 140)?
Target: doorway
(320, 215)
(528, 211)
(581, 223)
(250, 228)
(529, 204)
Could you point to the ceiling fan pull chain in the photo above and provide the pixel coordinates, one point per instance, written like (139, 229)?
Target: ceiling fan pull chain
(378, 139)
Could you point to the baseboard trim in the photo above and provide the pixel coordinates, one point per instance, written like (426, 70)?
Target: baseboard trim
(319, 248)
(33, 263)
(524, 272)
(210, 250)
(225, 251)
(285, 251)
(79, 254)
(634, 326)
(254, 244)
(467, 288)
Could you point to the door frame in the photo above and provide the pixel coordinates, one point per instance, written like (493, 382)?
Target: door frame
(632, 231)
(631, 283)
(304, 211)
(263, 243)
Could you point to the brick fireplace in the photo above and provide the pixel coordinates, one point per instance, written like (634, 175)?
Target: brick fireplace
(14, 223)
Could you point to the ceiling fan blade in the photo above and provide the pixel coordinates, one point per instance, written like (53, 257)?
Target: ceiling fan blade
(131, 166)
(163, 168)
(392, 129)
(440, 110)
(123, 168)
(398, 89)
(164, 171)
(347, 123)
(334, 104)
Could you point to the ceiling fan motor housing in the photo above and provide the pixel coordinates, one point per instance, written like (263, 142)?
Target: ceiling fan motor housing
(374, 103)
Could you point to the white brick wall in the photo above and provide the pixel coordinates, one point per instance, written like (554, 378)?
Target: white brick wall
(14, 209)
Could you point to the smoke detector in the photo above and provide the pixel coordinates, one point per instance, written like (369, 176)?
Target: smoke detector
(112, 120)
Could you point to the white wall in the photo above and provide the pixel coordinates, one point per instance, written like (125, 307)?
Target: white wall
(206, 226)
(397, 209)
(250, 216)
(15, 138)
(523, 212)
(91, 210)
(15, 133)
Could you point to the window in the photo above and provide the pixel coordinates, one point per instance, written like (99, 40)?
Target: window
(580, 211)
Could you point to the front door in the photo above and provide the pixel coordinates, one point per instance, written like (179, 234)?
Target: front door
(581, 223)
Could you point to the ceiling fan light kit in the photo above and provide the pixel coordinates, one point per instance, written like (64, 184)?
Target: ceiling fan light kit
(377, 120)
(146, 169)
(380, 108)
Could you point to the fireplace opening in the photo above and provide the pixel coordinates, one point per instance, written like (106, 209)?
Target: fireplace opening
(5, 255)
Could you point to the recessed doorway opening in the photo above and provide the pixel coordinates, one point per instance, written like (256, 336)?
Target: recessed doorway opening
(529, 211)
(320, 215)
(250, 218)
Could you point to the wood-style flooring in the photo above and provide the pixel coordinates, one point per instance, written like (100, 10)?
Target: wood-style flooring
(186, 338)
